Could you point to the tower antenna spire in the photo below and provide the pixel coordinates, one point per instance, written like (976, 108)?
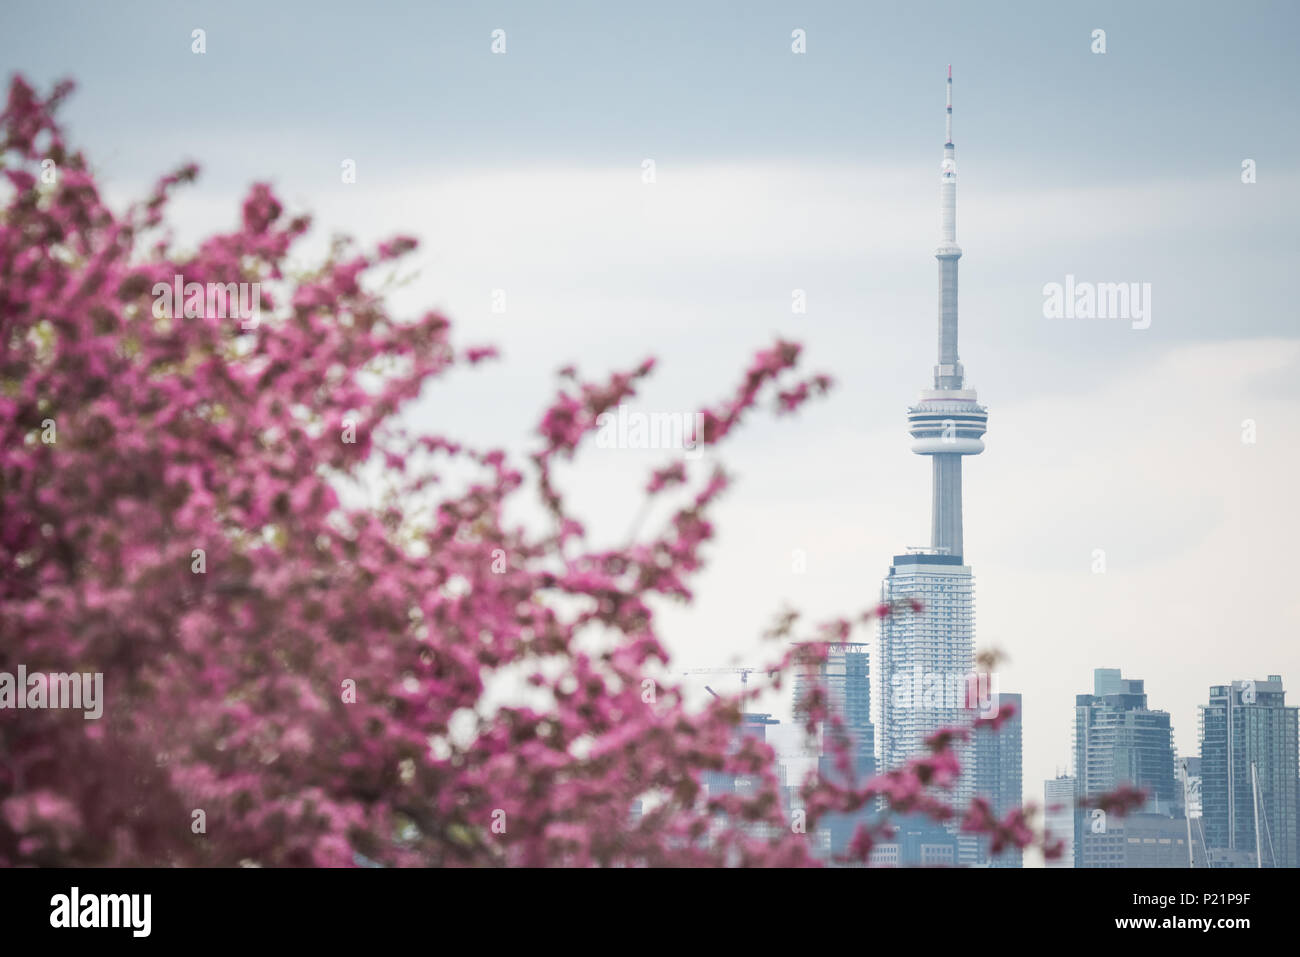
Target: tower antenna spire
(948, 140)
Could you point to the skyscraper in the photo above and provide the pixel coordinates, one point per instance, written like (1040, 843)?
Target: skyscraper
(1058, 817)
(846, 676)
(1249, 762)
(1118, 740)
(926, 658)
(716, 783)
(998, 774)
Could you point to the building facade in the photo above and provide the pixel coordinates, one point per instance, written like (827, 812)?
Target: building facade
(1139, 840)
(917, 842)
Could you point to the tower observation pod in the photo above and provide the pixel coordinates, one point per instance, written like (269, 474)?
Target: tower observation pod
(947, 421)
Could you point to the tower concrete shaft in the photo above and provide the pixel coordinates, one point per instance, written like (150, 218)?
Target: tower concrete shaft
(945, 507)
(948, 421)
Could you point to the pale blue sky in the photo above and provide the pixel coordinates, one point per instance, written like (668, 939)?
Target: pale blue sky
(1183, 88)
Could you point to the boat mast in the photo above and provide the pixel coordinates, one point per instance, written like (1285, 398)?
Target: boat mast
(1254, 787)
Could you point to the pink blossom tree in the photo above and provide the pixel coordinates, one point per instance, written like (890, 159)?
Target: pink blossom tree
(293, 680)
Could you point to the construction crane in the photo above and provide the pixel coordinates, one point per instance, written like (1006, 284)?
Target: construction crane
(743, 672)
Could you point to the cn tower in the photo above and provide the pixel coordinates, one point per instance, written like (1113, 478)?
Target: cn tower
(926, 658)
(947, 421)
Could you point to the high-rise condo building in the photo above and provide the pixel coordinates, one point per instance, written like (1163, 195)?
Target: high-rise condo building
(1248, 772)
(1119, 740)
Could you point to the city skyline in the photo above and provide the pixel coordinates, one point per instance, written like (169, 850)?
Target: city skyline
(1118, 740)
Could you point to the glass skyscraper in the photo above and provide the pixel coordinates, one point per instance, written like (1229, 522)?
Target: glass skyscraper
(1247, 727)
(1119, 740)
(846, 676)
(998, 774)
